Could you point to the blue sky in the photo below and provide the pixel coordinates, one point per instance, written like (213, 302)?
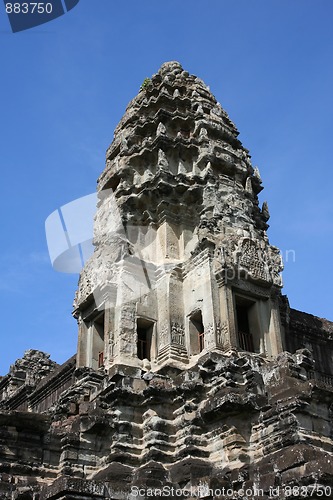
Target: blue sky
(65, 85)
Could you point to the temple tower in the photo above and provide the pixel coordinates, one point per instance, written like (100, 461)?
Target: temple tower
(182, 263)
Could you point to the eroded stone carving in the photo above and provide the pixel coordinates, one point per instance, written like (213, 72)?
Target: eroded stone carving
(177, 334)
(163, 336)
(222, 331)
(252, 260)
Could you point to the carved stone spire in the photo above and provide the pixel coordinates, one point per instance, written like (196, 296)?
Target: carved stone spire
(183, 188)
(175, 119)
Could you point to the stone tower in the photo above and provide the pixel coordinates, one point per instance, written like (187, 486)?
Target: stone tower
(182, 263)
(179, 387)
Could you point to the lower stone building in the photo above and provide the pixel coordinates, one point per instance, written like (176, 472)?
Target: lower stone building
(193, 376)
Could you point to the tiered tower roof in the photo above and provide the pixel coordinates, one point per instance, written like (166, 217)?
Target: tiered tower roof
(174, 139)
(176, 157)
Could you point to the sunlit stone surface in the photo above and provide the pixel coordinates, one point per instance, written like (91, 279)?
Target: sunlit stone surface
(192, 369)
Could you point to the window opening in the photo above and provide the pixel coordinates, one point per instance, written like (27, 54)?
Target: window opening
(197, 332)
(144, 329)
(100, 359)
(245, 338)
(98, 341)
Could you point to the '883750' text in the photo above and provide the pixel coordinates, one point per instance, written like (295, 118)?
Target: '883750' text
(29, 8)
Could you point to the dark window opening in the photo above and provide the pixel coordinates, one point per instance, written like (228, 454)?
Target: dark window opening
(245, 338)
(100, 359)
(201, 341)
(143, 351)
(197, 332)
(98, 341)
(144, 329)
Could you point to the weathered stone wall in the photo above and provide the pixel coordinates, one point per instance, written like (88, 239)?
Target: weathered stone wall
(234, 420)
(35, 382)
(303, 330)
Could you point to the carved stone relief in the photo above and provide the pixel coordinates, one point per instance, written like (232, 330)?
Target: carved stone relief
(251, 260)
(164, 335)
(177, 334)
(222, 333)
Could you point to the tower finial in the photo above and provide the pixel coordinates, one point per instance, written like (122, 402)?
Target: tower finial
(173, 67)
